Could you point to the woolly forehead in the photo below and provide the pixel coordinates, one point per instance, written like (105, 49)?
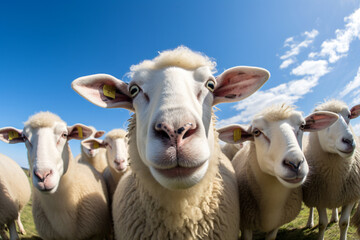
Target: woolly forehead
(43, 119)
(116, 133)
(335, 106)
(278, 113)
(181, 57)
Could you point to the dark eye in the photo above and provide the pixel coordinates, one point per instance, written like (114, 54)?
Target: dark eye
(64, 135)
(134, 90)
(256, 132)
(302, 126)
(349, 116)
(210, 84)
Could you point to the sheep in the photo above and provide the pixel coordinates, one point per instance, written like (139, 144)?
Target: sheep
(94, 157)
(115, 143)
(231, 149)
(271, 167)
(69, 198)
(14, 194)
(334, 161)
(180, 186)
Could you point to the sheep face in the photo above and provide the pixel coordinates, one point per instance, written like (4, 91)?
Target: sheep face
(45, 147)
(277, 135)
(173, 106)
(278, 148)
(174, 130)
(117, 153)
(339, 138)
(89, 152)
(45, 136)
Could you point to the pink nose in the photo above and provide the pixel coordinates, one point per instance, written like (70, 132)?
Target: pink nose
(175, 136)
(41, 175)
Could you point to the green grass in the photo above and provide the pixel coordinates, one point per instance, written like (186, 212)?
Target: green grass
(292, 231)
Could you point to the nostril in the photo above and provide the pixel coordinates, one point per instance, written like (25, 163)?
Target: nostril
(38, 175)
(292, 165)
(348, 141)
(163, 131)
(187, 130)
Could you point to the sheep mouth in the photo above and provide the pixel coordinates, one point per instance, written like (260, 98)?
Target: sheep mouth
(179, 171)
(293, 180)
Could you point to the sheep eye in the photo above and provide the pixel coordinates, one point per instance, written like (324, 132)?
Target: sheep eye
(64, 135)
(302, 126)
(134, 90)
(256, 132)
(210, 84)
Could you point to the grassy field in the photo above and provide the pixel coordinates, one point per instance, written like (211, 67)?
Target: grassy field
(292, 231)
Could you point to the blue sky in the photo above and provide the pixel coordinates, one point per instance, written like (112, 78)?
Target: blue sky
(311, 48)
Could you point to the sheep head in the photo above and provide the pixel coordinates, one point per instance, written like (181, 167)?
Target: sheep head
(45, 136)
(277, 135)
(339, 138)
(173, 104)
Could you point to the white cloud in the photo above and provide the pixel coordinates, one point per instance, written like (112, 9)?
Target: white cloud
(287, 63)
(311, 67)
(356, 99)
(311, 70)
(351, 86)
(338, 47)
(356, 129)
(289, 56)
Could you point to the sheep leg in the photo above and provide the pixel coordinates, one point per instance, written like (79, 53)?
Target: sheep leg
(334, 216)
(344, 220)
(323, 222)
(20, 225)
(246, 234)
(271, 235)
(310, 222)
(12, 230)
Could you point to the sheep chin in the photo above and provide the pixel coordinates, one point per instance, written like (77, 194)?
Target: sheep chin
(180, 179)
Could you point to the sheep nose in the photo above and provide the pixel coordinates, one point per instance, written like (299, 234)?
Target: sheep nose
(175, 136)
(350, 144)
(293, 165)
(347, 141)
(41, 175)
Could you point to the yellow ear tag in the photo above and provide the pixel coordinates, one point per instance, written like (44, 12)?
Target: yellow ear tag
(13, 135)
(237, 134)
(109, 91)
(96, 145)
(80, 132)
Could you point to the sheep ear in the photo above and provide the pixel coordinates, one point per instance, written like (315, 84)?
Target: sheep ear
(79, 131)
(238, 83)
(93, 143)
(99, 134)
(235, 134)
(355, 111)
(11, 135)
(319, 120)
(104, 91)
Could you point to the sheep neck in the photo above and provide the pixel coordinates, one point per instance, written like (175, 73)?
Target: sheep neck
(274, 196)
(116, 175)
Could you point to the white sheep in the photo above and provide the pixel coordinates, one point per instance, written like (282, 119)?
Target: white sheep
(271, 167)
(230, 149)
(92, 156)
(180, 185)
(69, 198)
(334, 163)
(116, 155)
(14, 194)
